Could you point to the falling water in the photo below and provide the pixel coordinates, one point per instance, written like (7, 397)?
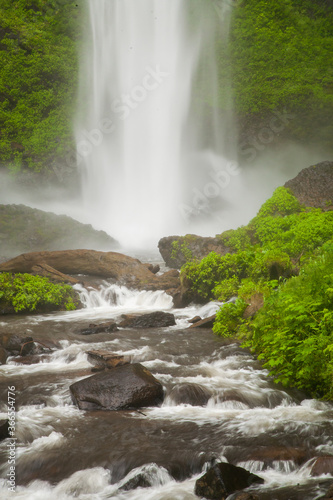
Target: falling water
(150, 133)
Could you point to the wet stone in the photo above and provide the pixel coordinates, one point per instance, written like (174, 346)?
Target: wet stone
(93, 329)
(322, 465)
(125, 387)
(222, 480)
(191, 394)
(157, 319)
(4, 431)
(102, 359)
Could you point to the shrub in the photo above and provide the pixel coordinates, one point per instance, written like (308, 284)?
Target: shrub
(27, 293)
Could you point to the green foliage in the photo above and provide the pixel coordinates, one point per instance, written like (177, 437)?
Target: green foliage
(236, 239)
(282, 54)
(27, 293)
(290, 265)
(293, 332)
(229, 318)
(39, 71)
(282, 203)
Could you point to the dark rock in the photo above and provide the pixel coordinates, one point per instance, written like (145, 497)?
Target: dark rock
(328, 495)
(153, 268)
(139, 481)
(195, 319)
(246, 496)
(322, 465)
(17, 345)
(3, 356)
(205, 323)
(151, 320)
(191, 394)
(32, 359)
(313, 186)
(101, 328)
(124, 387)
(222, 480)
(106, 359)
(4, 430)
(175, 250)
(121, 268)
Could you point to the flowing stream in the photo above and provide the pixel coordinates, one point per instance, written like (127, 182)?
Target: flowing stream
(63, 453)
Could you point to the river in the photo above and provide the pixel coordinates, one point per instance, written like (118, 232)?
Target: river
(63, 453)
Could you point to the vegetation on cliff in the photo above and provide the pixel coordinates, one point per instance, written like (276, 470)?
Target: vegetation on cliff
(27, 293)
(39, 74)
(284, 256)
(281, 56)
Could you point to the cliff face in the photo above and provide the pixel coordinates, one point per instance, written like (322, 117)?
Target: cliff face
(313, 186)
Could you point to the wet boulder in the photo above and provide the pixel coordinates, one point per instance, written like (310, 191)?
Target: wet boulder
(204, 323)
(3, 356)
(4, 429)
(157, 319)
(15, 344)
(93, 329)
(124, 387)
(222, 480)
(105, 359)
(191, 394)
(322, 465)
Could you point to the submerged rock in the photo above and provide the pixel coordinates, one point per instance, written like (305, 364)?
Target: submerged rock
(222, 480)
(191, 394)
(125, 387)
(157, 319)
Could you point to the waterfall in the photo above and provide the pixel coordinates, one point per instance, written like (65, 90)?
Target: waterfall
(152, 139)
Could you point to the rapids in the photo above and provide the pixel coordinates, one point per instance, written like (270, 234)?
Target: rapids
(64, 453)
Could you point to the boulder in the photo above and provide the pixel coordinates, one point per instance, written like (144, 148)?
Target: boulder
(4, 430)
(191, 394)
(195, 319)
(121, 268)
(153, 268)
(157, 319)
(322, 465)
(93, 329)
(17, 345)
(222, 480)
(246, 496)
(3, 356)
(53, 274)
(32, 359)
(177, 250)
(313, 186)
(106, 359)
(204, 323)
(125, 387)
(328, 495)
